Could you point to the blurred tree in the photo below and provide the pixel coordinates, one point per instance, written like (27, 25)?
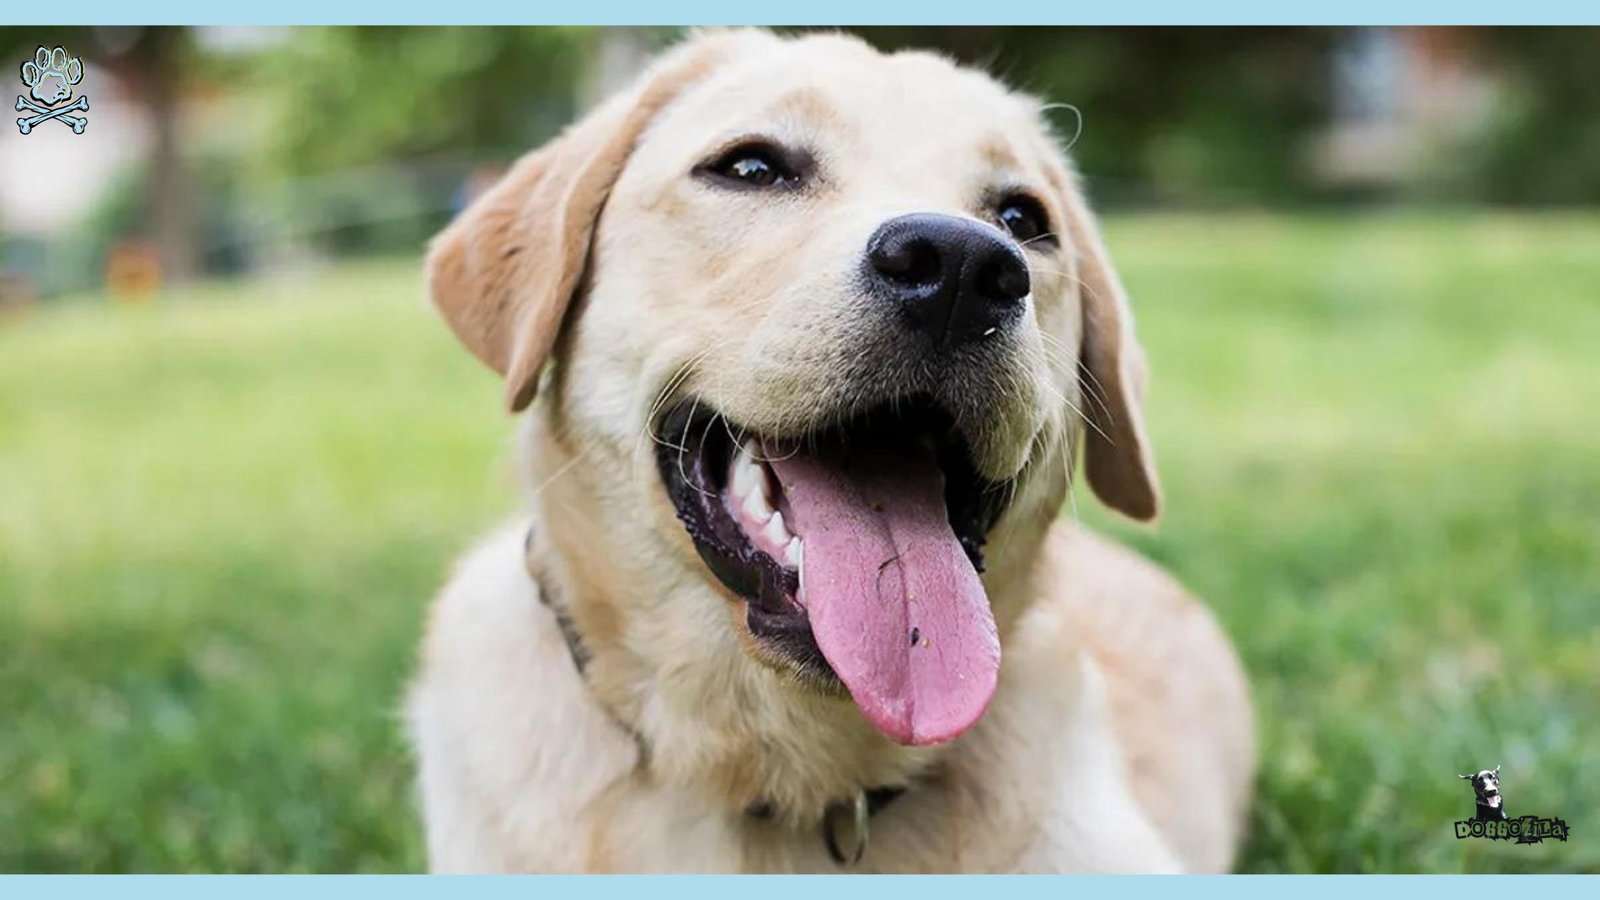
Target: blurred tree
(362, 139)
(1542, 142)
(1189, 115)
(341, 97)
(151, 62)
(370, 137)
(1198, 115)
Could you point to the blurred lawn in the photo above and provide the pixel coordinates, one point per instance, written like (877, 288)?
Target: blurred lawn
(220, 520)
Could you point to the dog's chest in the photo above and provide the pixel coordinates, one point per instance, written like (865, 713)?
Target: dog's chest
(664, 829)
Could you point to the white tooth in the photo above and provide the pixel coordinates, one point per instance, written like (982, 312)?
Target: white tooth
(794, 553)
(775, 532)
(756, 506)
(744, 472)
(762, 481)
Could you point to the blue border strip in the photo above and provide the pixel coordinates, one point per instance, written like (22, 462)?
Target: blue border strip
(813, 12)
(792, 887)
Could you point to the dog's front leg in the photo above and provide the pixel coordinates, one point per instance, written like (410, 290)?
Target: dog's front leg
(1090, 821)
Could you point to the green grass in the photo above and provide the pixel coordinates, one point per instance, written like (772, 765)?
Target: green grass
(221, 517)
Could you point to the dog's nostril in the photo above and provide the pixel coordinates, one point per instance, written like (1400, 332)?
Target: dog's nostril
(909, 260)
(1002, 279)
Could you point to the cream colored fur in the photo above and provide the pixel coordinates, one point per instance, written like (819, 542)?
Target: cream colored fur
(1120, 736)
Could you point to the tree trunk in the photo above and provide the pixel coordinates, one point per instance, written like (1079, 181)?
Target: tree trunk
(154, 67)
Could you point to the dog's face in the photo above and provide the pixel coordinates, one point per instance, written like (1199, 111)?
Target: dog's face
(820, 230)
(839, 316)
(1486, 784)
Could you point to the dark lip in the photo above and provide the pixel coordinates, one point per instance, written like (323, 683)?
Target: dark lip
(693, 458)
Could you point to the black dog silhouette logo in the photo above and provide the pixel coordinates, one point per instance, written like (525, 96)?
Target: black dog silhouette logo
(1490, 819)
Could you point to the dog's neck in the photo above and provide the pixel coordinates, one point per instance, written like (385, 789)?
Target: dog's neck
(664, 658)
(717, 721)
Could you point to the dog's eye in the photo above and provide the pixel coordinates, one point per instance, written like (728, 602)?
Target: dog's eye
(752, 168)
(752, 165)
(1024, 218)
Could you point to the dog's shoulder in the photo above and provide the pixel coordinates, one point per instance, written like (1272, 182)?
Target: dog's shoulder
(488, 591)
(506, 731)
(1110, 591)
(1177, 692)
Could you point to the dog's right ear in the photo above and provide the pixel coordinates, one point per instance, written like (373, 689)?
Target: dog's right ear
(1468, 777)
(504, 272)
(1116, 454)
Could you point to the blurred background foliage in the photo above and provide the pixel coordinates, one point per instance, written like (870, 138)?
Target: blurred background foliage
(253, 148)
(1541, 145)
(405, 93)
(1212, 116)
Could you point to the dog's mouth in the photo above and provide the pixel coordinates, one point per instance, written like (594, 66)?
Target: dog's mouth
(857, 550)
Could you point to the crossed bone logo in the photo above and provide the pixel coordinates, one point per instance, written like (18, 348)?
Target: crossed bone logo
(50, 76)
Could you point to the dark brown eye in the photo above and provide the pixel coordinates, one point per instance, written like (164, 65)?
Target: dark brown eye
(752, 166)
(1024, 218)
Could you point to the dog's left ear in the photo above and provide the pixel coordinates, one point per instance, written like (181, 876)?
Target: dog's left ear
(505, 271)
(1116, 452)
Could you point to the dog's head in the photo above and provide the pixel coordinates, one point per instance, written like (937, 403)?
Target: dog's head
(842, 317)
(1486, 784)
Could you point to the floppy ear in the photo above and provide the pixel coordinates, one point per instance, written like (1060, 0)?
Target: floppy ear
(1116, 451)
(504, 272)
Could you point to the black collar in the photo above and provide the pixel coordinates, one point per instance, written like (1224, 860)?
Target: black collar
(844, 823)
(547, 596)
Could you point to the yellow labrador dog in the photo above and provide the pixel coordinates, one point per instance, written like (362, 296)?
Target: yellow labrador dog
(809, 337)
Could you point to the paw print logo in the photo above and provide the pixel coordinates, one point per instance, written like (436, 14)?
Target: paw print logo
(50, 77)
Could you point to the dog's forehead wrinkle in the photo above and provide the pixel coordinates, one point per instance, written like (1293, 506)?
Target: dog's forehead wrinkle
(803, 107)
(998, 151)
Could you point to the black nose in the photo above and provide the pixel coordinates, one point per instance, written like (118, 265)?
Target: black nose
(955, 280)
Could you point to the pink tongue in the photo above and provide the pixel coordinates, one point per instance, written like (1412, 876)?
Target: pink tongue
(894, 603)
